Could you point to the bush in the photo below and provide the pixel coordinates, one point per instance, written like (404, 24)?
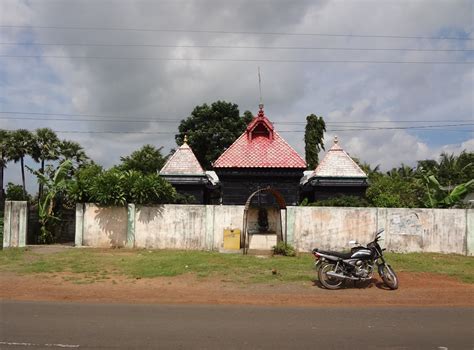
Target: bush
(342, 201)
(285, 249)
(15, 193)
(118, 187)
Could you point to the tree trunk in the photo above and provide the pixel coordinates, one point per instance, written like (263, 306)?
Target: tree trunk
(40, 189)
(23, 176)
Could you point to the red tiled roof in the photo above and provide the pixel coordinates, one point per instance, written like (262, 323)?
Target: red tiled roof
(256, 148)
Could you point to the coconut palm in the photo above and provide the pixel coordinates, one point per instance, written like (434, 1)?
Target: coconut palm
(20, 145)
(46, 148)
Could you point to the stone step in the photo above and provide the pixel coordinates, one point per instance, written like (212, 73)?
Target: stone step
(262, 241)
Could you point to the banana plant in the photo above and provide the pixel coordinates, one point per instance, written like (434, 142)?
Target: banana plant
(441, 198)
(52, 186)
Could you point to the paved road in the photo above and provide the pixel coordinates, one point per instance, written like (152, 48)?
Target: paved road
(33, 325)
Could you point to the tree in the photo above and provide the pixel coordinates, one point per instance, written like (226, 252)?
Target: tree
(4, 141)
(53, 185)
(73, 151)
(314, 139)
(45, 148)
(147, 160)
(212, 129)
(79, 188)
(21, 145)
(15, 193)
(395, 191)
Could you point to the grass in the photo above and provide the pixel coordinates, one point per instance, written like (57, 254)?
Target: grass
(457, 266)
(95, 265)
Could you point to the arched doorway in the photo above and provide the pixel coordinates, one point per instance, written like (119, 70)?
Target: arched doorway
(263, 216)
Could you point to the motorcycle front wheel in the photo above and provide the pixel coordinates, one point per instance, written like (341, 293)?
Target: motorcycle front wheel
(328, 281)
(388, 276)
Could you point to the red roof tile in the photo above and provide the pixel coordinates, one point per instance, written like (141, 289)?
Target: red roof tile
(260, 146)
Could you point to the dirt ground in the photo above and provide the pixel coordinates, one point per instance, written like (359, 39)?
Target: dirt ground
(415, 290)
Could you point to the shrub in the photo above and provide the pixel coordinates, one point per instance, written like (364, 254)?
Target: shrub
(342, 201)
(285, 249)
(15, 193)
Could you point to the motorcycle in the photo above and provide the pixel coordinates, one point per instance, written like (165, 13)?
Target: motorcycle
(357, 265)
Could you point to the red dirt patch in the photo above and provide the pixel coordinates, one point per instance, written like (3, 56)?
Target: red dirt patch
(415, 290)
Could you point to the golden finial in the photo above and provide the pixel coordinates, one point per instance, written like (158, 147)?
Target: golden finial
(185, 138)
(336, 140)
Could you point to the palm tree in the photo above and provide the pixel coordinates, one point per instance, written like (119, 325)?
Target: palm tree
(20, 145)
(70, 150)
(46, 147)
(4, 140)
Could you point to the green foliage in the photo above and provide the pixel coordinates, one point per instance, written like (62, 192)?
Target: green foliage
(442, 198)
(341, 201)
(285, 249)
(4, 143)
(72, 151)
(54, 184)
(395, 191)
(116, 187)
(314, 139)
(212, 129)
(80, 188)
(147, 160)
(45, 147)
(21, 144)
(15, 193)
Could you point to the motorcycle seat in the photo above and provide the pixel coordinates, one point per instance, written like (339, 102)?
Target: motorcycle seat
(337, 254)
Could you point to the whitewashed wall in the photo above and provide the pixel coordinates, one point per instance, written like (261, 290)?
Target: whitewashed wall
(201, 227)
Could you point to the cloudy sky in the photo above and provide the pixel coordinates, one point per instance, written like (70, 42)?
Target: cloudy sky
(140, 66)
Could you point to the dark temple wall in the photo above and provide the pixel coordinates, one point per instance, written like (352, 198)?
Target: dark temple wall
(238, 184)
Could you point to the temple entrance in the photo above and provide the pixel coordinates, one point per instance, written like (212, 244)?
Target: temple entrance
(264, 222)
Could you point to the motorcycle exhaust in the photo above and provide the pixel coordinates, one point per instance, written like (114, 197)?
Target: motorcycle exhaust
(343, 277)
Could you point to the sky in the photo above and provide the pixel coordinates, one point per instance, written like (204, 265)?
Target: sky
(138, 67)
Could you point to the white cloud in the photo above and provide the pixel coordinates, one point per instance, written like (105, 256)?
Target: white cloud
(171, 89)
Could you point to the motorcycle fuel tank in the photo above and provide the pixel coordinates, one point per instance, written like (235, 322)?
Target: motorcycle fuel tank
(361, 254)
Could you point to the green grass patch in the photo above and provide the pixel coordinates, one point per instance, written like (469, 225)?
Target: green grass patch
(458, 266)
(95, 265)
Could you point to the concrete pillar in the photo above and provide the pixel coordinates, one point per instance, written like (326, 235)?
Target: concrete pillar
(210, 227)
(79, 224)
(15, 224)
(7, 224)
(470, 232)
(130, 226)
(290, 225)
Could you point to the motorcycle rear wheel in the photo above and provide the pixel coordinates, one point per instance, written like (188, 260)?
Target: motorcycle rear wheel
(388, 276)
(328, 281)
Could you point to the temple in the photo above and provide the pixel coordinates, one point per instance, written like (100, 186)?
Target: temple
(188, 177)
(259, 158)
(336, 175)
